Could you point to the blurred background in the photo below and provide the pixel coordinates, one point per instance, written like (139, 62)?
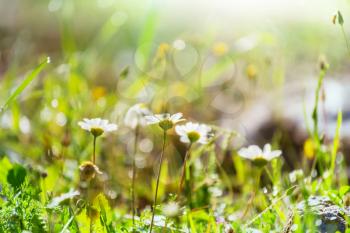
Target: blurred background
(247, 66)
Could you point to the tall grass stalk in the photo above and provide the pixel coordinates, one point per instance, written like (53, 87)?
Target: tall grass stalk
(315, 135)
(157, 185)
(133, 178)
(335, 148)
(341, 23)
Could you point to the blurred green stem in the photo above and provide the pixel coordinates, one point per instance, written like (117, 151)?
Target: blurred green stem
(187, 155)
(256, 189)
(316, 136)
(157, 185)
(335, 148)
(346, 39)
(274, 202)
(133, 178)
(94, 152)
(165, 225)
(269, 174)
(315, 110)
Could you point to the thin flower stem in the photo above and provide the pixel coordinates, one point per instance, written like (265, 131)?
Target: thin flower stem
(91, 222)
(157, 185)
(274, 202)
(184, 169)
(133, 178)
(165, 225)
(94, 153)
(257, 184)
(346, 39)
(269, 175)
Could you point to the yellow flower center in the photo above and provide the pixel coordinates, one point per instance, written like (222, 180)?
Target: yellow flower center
(259, 161)
(96, 131)
(98, 92)
(193, 136)
(166, 124)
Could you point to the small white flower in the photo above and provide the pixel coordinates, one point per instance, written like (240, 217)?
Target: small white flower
(165, 120)
(171, 209)
(295, 175)
(193, 132)
(135, 116)
(259, 157)
(97, 126)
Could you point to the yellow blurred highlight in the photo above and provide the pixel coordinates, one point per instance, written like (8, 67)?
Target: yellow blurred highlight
(178, 89)
(98, 92)
(309, 149)
(163, 49)
(334, 19)
(220, 48)
(251, 71)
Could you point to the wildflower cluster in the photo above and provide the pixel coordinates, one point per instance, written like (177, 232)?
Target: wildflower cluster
(189, 133)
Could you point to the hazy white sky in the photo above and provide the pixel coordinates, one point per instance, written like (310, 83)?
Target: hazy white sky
(253, 9)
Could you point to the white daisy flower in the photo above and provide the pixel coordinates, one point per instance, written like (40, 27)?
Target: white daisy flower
(135, 116)
(259, 157)
(193, 132)
(171, 209)
(165, 120)
(295, 175)
(97, 126)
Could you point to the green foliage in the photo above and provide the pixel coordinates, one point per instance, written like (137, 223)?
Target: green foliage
(22, 210)
(16, 176)
(29, 78)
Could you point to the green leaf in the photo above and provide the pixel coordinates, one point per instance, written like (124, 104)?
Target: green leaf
(5, 165)
(64, 229)
(291, 190)
(66, 196)
(340, 18)
(124, 73)
(148, 33)
(25, 83)
(215, 72)
(16, 176)
(336, 142)
(344, 190)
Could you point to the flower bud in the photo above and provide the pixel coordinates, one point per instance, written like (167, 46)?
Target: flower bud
(88, 170)
(92, 213)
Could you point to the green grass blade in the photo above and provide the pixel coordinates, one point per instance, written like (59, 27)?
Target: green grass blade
(215, 71)
(335, 144)
(25, 83)
(147, 36)
(315, 110)
(64, 229)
